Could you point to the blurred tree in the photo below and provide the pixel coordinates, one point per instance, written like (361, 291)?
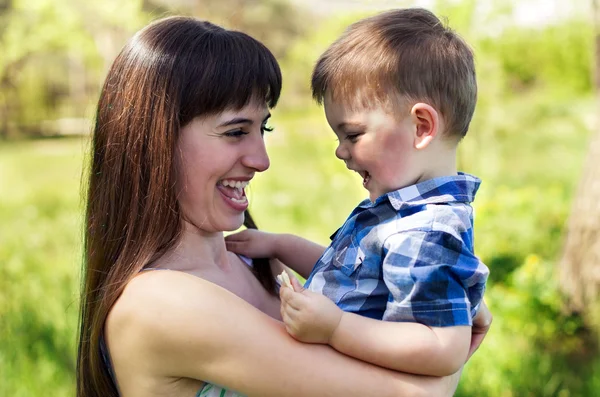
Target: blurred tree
(54, 55)
(276, 23)
(54, 52)
(5, 11)
(580, 265)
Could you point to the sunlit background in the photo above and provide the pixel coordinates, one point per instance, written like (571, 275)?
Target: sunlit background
(532, 133)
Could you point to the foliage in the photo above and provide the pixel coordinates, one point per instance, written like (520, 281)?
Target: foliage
(40, 40)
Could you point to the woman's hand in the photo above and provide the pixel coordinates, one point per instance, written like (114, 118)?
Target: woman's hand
(481, 325)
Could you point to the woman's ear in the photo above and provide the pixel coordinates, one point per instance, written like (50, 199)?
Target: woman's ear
(427, 122)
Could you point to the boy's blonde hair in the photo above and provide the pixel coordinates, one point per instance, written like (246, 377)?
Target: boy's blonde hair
(401, 56)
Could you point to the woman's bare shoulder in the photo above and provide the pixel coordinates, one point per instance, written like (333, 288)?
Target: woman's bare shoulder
(160, 299)
(159, 311)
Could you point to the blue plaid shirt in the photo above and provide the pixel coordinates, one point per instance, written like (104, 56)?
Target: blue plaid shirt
(408, 256)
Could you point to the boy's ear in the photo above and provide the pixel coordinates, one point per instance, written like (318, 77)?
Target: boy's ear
(427, 122)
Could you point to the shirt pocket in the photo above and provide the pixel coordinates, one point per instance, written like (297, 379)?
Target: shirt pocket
(349, 257)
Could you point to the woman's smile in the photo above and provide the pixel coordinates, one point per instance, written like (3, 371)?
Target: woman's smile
(233, 193)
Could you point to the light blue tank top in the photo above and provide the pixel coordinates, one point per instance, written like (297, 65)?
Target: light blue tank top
(210, 390)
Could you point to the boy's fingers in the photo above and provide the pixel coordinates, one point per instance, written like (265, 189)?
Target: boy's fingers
(282, 310)
(287, 320)
(233, 238)
(233, 244)
(239, 236)
(239, 247)
(291, 311)
(296, 284)
(285, 293)
(290, 281)
(290, 298)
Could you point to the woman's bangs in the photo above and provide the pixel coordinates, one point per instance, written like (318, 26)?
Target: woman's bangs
(230, 72)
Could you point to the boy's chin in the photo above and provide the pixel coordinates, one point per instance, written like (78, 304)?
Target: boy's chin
(374, 195)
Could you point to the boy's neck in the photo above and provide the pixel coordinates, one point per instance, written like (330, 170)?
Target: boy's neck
(438, 164)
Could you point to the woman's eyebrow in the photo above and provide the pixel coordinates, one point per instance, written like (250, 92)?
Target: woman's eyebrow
(240, 120)
(234, 121)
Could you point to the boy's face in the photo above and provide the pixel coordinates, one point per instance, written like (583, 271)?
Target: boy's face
(376, 144)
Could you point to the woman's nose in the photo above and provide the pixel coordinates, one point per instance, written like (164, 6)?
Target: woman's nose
(257, 157)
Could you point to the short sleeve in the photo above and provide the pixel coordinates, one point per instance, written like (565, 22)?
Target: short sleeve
(433, 279)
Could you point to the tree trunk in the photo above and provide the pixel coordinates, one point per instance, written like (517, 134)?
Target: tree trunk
(580, 264)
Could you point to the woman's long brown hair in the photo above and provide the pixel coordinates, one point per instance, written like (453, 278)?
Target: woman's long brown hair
(170, 72)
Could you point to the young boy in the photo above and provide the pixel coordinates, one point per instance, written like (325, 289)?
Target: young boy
(399, 91)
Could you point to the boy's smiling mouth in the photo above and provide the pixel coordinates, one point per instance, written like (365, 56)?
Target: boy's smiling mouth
(364, 174)
(366, 177)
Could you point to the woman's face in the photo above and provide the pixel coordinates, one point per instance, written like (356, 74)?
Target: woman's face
(218, 156)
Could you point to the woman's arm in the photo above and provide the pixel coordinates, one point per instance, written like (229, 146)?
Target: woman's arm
(481, 325)
(186, 327)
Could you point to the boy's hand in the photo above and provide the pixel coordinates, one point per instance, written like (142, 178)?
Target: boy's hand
(252, 243)
(309, 317)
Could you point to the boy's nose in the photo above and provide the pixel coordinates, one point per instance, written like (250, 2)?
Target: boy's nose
(341, 153)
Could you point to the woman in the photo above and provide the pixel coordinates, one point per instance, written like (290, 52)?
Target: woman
(178, 136)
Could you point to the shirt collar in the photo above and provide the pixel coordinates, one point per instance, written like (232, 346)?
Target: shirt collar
(459, 188)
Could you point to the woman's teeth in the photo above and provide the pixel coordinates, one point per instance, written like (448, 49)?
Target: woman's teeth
(243, 200)
(234, 190)
(234, 184)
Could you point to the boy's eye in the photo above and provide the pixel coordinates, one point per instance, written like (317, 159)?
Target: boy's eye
(352, 137)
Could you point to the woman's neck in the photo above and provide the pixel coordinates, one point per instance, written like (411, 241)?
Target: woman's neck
(196, 250)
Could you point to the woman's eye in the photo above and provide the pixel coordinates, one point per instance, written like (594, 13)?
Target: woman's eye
(235, 133)
(265, 128)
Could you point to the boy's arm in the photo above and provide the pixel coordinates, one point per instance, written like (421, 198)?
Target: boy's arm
(297, 253)
(355, 335)
(407, 347)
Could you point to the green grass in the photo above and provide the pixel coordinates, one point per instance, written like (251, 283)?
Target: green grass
(40, 256)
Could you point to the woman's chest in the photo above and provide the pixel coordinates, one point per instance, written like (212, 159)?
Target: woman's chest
(241, 281)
